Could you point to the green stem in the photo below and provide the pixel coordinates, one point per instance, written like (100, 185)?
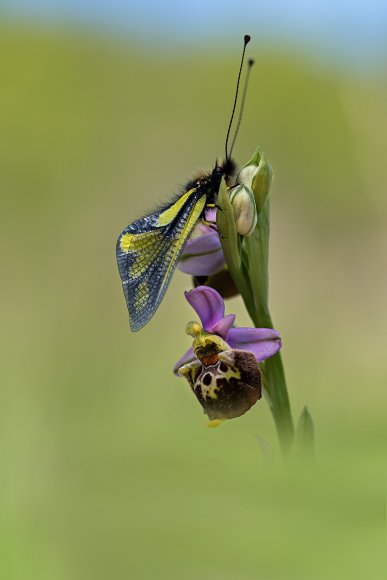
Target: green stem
(248, 262)
(275, 384)
(255, 255)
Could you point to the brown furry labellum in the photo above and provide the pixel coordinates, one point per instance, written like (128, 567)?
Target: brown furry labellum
(229, 386)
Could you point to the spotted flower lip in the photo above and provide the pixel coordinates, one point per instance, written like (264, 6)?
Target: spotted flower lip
(203, 254)
(209, 306)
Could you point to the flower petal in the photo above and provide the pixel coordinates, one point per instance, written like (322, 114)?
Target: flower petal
(203, 255)
(210, 215)
(262, 342)
(187, 357)
(208, 305)
(223, 326)
(203, 243)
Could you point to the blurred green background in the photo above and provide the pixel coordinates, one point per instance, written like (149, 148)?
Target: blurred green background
(107, 469)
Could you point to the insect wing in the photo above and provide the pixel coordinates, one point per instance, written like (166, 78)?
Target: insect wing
(148, 252)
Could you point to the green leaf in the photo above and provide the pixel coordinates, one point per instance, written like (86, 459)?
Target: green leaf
(304, 439)
(225, 222)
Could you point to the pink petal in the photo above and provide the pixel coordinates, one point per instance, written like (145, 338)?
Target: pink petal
(223, 326)
(208, 305)
(202, 256)
(208, 241)
(211, 215)
(262, 342)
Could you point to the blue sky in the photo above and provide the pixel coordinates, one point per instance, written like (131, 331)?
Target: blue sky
(351, 32)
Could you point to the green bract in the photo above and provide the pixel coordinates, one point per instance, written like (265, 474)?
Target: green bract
(257, 174)
(304, 440)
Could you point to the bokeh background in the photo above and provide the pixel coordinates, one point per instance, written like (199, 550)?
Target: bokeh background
(107, 469)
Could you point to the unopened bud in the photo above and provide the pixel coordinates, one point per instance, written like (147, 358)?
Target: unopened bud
(245, 211)
(257, 175)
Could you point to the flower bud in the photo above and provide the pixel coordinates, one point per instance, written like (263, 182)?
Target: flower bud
(245, 211)
(257, 175)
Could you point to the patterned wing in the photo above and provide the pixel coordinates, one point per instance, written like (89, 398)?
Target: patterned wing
(148, 251)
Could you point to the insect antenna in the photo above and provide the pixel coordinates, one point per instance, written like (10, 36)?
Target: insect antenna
(250, 64)
(246, 40)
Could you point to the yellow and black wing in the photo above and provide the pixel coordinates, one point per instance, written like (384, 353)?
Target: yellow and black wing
(148, 251)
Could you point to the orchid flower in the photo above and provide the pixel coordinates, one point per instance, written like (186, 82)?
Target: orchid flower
(222, 365)
(209, 306)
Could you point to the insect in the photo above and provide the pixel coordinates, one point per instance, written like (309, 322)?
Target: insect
(149, 249)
